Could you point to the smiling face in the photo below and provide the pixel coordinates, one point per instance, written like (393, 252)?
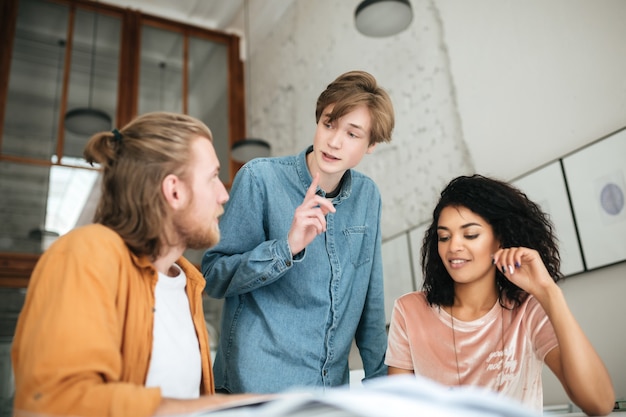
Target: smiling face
(466, 244)
(339, 145)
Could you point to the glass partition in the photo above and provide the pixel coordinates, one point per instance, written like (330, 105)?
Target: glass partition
(208, 93)
(161, 72)
(67, 55)
(40, 203)
(35, 81)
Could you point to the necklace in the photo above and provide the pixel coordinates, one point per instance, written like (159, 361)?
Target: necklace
(456, 356)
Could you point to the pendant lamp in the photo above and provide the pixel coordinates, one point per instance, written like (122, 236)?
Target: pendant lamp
(380, 18)
(86, 121)
(247, 149)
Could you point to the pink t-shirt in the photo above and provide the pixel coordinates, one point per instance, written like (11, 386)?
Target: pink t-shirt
(421, 339)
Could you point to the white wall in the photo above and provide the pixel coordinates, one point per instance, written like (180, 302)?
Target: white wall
(490, 86)
(597, 301)
(535, 79)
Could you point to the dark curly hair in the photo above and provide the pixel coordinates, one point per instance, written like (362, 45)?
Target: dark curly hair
(516, 221)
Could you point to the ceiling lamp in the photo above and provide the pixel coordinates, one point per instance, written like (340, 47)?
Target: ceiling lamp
(86, 121)
(379, 18)
(247, 149)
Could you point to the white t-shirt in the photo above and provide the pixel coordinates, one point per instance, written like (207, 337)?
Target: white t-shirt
(421, 339)
(175, 364)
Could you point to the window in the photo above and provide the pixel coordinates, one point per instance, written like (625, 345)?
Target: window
(65, 55)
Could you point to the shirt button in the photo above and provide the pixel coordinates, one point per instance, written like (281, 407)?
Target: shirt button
(288, 263)
(324, 372)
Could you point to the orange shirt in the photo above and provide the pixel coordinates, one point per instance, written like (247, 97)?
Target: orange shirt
(84, 337)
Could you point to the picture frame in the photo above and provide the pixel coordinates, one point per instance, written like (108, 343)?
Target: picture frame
(596, 178)
(547, 187)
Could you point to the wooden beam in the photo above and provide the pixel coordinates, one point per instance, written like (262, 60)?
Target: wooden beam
(16, 268)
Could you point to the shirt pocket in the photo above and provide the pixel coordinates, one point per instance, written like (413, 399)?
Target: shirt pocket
(359, 244)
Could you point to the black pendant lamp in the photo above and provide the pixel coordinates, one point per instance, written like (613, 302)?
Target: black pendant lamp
(380, 18)
(249, 148)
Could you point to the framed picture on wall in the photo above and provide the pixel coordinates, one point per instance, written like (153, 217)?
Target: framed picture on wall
(546, 187)
(596, 177)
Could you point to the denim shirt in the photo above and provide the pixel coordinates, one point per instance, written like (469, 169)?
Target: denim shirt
(290, 321)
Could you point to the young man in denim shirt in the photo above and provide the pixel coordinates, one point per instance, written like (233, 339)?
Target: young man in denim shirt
(299, 263)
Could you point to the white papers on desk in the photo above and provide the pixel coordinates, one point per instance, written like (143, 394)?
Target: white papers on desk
(396, 396)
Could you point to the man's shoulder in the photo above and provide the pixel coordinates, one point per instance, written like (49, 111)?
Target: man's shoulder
(90, 238)
(269, 163)
(93, 250)
(271, 170)
(359, 176)
(94, 231)
(363, 183)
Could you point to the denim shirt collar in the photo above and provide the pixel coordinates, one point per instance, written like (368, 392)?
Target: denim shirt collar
(306, 178)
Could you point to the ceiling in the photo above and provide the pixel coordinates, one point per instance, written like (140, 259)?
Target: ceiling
(226, 15)
(215, 14)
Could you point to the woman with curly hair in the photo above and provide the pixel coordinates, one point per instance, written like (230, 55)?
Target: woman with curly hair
(490, 313)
